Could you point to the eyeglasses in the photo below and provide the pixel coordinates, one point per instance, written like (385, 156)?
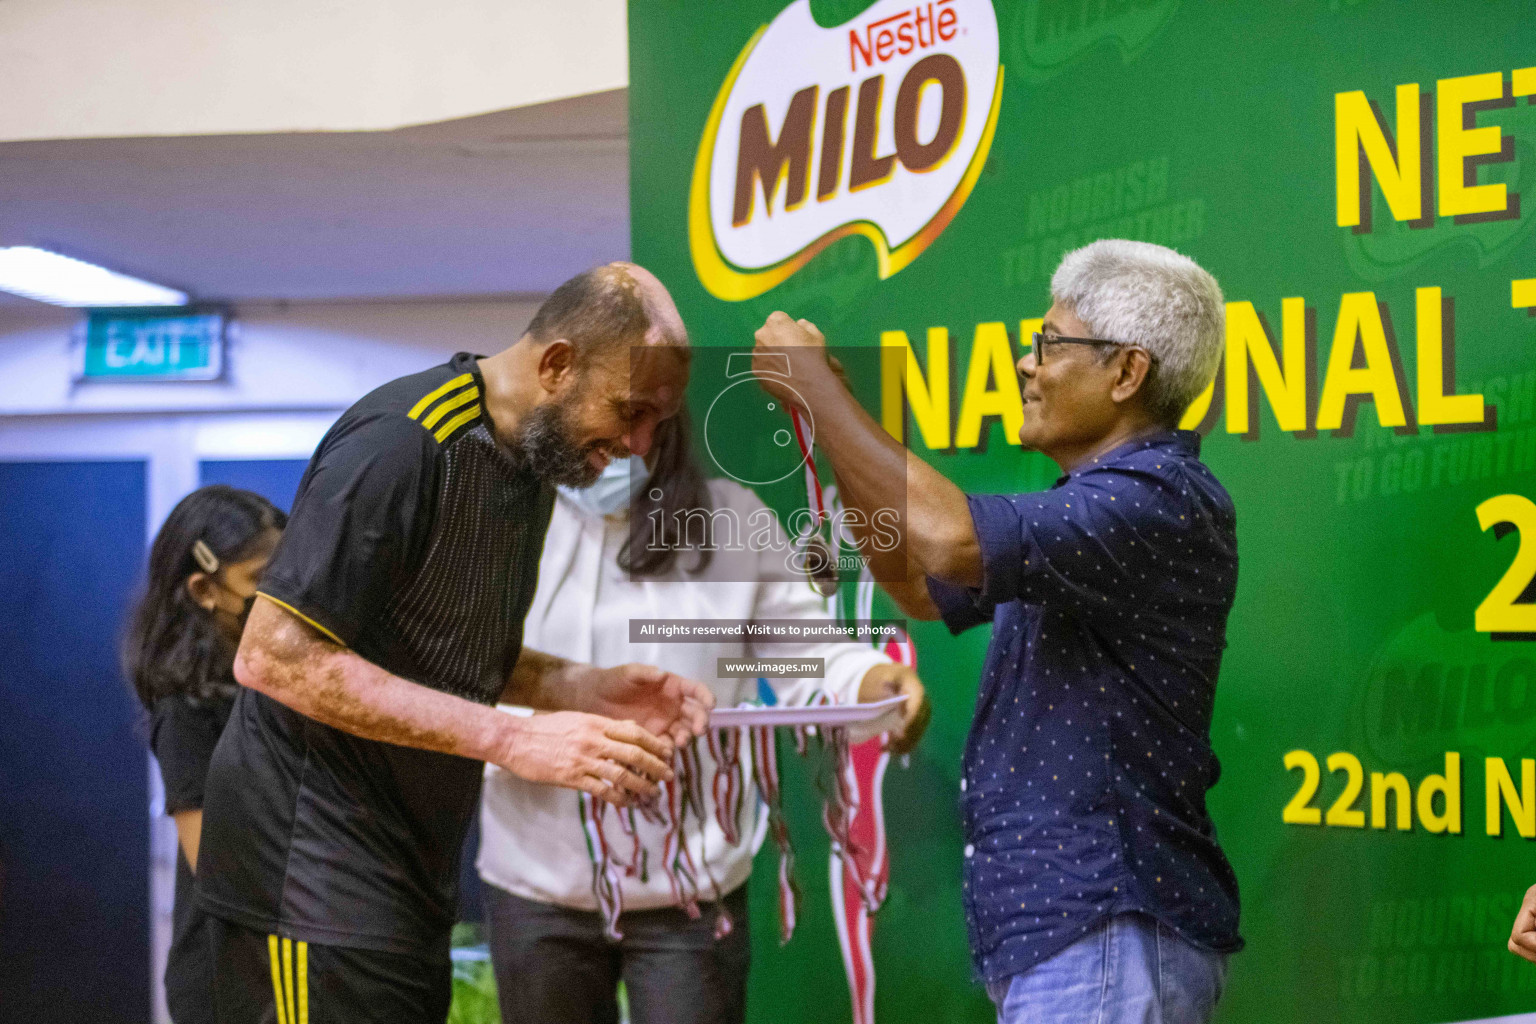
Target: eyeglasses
(1042, 340)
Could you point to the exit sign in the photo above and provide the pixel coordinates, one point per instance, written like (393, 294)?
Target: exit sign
(156, 344)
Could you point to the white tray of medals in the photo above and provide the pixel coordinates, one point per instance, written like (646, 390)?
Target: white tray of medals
(754, 716)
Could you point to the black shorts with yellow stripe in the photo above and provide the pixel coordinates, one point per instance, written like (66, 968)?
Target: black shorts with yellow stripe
(261, 978)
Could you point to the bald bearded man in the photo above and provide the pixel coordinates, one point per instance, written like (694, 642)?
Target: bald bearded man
(388, 625)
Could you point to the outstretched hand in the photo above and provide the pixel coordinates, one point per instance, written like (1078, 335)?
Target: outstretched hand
(616, 761)
(659, 701)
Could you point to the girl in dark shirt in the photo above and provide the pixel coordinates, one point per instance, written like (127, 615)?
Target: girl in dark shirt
(203, 571)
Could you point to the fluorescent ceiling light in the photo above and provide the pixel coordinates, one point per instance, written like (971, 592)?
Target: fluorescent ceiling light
(48, 277)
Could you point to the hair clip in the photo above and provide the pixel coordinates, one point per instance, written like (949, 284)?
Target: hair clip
(204, 556)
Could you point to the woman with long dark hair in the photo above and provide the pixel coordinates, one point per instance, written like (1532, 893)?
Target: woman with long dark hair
(654, 538)
(179, 652)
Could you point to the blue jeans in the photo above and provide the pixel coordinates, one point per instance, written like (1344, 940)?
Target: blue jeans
(1127, 970)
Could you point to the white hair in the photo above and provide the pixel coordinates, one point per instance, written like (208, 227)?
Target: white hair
(1152, 297)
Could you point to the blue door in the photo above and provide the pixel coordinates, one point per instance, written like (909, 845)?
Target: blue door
(277, 480)
(74, 788)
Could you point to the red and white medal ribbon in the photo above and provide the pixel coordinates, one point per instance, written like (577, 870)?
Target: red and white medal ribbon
(765, 773)
(852, 813)
(814, 499)
(725, 748)
(606, 884)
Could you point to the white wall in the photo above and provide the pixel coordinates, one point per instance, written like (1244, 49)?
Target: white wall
(299, 357)
(291, 372)
(113, 68)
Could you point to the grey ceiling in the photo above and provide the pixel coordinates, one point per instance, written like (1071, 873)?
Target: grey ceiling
(511, 202)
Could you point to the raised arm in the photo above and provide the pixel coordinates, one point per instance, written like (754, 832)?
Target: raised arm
(900, 577)
(288, 660)
(874, 472)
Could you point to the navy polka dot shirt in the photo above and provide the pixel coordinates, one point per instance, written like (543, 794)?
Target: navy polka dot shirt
(1087, 765)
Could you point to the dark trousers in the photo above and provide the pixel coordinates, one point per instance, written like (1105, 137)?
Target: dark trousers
(268, 979)
(553, 965)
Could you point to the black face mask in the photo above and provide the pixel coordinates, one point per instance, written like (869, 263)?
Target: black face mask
(247, 603)
(245, 609)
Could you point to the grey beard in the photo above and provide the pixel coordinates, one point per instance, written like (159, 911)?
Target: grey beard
(544, 445)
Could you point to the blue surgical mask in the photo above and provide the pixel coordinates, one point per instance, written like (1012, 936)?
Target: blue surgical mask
(620, 479)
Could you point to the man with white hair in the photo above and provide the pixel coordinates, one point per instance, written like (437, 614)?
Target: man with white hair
(1095, 890)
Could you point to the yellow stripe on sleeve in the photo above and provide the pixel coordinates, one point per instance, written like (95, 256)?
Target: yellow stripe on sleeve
(448, 405)
(432, 396)
(303, 983)
(457, 422)
(290, 608)
(277, 979)
(288, 978)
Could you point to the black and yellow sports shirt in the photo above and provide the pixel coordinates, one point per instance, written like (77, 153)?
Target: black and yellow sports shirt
(414, 541)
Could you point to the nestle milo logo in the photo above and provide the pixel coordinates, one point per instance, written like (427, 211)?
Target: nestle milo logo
(878, 127)
(1056, 31)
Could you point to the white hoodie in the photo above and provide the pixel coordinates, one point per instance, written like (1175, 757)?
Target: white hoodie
(531, 838)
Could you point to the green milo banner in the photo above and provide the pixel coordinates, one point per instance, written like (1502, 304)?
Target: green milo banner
(1358, 175)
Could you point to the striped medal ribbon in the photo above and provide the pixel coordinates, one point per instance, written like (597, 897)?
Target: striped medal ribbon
(820, 568)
